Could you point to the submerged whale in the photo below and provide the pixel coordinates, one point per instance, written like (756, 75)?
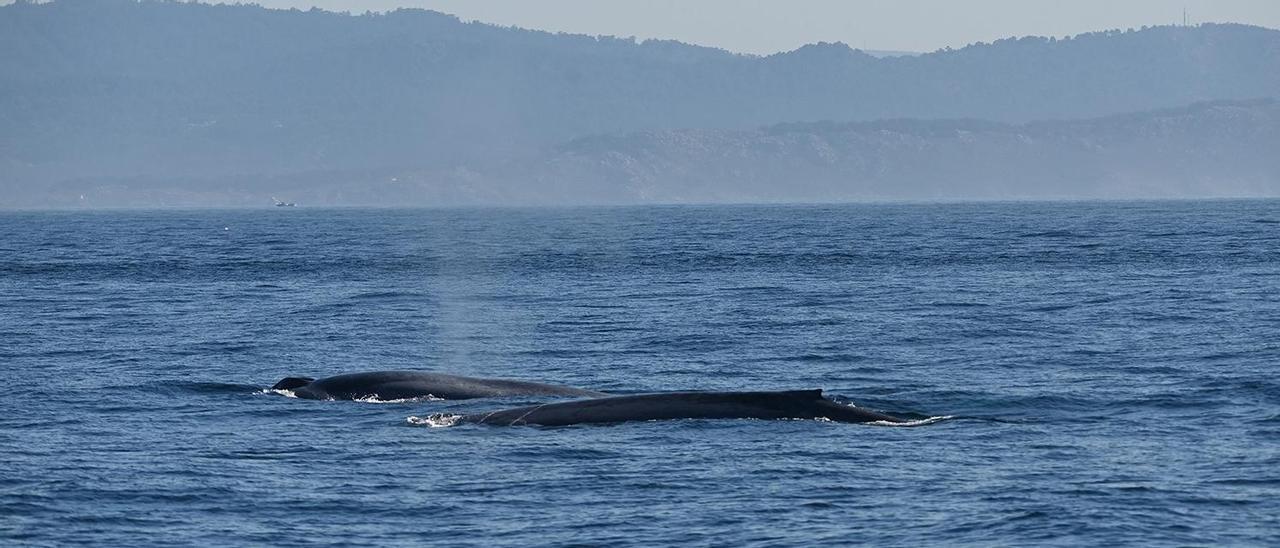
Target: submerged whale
(792, 404)
(398, 385)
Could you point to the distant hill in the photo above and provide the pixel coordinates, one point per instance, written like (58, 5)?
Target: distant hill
(1218, 149)
(149, 91)
(1211, 149)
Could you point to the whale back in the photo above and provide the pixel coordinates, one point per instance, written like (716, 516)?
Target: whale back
(788, 404)
(396, 385)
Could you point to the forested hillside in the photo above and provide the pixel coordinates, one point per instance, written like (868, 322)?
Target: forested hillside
(118, 90)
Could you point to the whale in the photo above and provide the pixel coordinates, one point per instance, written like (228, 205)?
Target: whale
(789, 404)
(401, 385)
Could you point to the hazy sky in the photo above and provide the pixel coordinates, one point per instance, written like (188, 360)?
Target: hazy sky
(759, 26)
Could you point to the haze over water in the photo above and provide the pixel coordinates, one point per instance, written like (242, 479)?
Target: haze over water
(1110, 368)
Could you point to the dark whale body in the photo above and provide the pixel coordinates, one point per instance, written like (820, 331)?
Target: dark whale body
(398, 385)
(794, 404)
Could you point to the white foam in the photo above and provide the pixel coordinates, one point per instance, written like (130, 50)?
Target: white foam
(285, 393)
(435, 420)
(920, 422)
(375, 399)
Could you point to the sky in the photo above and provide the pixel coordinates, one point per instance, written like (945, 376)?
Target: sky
(764, 27)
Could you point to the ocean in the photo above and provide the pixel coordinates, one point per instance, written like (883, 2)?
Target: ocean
(1108, 370)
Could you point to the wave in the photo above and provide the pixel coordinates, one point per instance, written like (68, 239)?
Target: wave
(955, 304)
(814, 357)
(445, 420)
(917, 422)
(434, 420)
(376, 295)
(207, 387)
(1052, 307)
(1052, 234)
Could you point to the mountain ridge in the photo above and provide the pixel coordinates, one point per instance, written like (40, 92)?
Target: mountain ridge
(125, 90)
(1219, 149)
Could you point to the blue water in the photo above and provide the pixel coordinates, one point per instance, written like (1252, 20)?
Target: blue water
(1111, 369)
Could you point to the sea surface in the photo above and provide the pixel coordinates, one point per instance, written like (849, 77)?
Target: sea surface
(1110, 370)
